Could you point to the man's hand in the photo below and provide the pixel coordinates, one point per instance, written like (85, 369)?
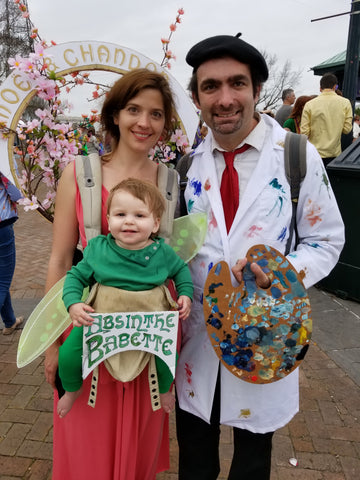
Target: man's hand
(262, 280)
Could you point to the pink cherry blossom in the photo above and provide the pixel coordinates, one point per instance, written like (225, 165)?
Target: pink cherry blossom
(29, 204)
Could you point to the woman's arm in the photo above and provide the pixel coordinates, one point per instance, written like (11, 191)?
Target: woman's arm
(65, 238)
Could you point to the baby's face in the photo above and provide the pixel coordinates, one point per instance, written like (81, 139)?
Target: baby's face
(130, 221)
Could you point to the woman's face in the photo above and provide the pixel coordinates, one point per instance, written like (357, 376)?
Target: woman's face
(142, 120)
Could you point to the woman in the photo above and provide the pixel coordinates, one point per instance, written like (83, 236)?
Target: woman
(292, 124)
(9, 195)
(121, 438)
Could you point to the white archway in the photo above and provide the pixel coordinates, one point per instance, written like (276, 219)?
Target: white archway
(17, 90)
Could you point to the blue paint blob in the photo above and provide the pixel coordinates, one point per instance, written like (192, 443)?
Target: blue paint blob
(214, 322)
(275, 292)
(196, 185)
(282, 235)
(213, 287)
(275, 184)
(279, 275)
(218, 269)
(215, 337)
(291, 276)
(314, 245)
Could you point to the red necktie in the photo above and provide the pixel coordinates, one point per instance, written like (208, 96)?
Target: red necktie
(229, 188)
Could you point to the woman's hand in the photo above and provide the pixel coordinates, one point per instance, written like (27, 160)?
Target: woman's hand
(262, 280)
(51, 363)
(79, 314)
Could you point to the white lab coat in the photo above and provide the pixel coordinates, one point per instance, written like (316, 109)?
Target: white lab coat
(263, 216)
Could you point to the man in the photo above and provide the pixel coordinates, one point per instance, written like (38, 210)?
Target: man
(226, 82)
(325, 118)
(288, 98)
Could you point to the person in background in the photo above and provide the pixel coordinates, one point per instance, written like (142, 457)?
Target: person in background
(356, 127)
(326, 117)
(237, 176)
(92, 143)
(9, 195)
(121, 438)
(288, 98)
(292, 124)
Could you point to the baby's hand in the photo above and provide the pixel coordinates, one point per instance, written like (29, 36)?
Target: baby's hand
(79, 315)
(184, 304)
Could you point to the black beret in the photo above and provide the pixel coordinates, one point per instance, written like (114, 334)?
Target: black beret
(226, 45)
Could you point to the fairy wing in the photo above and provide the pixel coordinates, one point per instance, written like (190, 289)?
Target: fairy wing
(188, 235)
(46, 323)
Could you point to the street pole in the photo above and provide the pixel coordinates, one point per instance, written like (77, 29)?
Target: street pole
(351, 70)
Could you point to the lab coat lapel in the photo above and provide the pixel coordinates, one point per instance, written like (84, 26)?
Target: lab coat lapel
(263, 173)
(208, 177)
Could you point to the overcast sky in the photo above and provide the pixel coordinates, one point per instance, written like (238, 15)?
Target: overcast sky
(281, 27)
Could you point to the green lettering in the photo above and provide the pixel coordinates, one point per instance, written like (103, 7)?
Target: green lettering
(165, 347)
(134, 318)
(119, 322)
(159, 319)
(108, 321)
(95, 327)
(169, 319)
(158, 340)
(147, 337)
(148, 319)
(124, 340)
(134, 340)
(110, 344)
(95, 352)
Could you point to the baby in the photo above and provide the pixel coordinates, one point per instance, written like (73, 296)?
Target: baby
(134, 211)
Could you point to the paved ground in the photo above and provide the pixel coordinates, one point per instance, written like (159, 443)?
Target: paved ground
(324, 436)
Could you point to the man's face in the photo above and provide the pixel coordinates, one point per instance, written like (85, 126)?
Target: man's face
(226, 99)
(292, 98)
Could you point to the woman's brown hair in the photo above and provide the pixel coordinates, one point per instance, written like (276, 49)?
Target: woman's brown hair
(299, 105)
(126, 88)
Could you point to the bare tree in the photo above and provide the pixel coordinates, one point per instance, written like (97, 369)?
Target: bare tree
(15, 34)
(280, 78)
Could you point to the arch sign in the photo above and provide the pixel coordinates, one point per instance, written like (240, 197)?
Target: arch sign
(17, 90)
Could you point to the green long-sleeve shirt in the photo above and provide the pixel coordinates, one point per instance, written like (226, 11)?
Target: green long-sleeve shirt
(108, 264)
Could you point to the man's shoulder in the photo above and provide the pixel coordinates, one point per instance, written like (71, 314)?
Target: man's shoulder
(282, 109)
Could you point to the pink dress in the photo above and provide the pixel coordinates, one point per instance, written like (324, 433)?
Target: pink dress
(121, 438)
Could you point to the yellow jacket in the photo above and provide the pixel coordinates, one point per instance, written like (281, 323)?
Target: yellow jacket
(323, 121)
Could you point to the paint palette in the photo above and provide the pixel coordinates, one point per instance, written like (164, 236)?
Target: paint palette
(260, 335)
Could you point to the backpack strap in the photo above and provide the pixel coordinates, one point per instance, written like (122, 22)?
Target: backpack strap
(182, 168)
(168, 185)
(295, 170)
(89, 180)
